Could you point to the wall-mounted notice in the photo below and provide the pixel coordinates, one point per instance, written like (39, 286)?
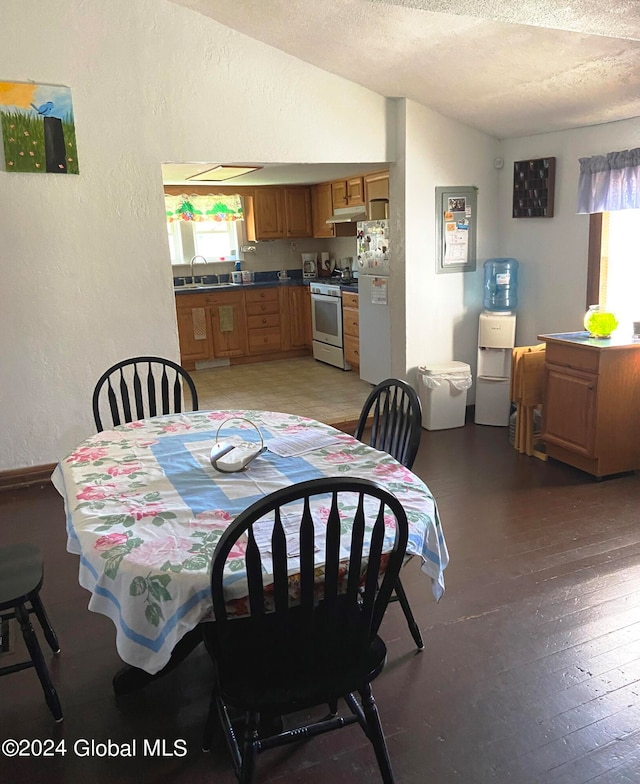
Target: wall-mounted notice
(456, 220)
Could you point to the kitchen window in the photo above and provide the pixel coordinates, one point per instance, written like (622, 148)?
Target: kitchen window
(209, 225)
(215, 240)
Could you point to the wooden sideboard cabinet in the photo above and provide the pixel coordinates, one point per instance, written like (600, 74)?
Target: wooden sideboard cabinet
(591, 407)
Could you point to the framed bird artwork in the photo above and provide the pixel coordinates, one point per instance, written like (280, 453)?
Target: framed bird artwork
(38, 129)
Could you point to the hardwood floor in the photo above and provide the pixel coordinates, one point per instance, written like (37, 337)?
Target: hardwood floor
(531, 671)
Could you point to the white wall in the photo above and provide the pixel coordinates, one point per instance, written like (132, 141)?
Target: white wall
(441, 309)
(86, 274)
(552, 252)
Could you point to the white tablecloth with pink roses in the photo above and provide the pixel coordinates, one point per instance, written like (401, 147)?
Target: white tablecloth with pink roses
(145, 510)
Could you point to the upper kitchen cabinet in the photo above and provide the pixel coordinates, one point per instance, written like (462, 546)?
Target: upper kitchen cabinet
(376, 186)
(268, 209)
(282, 212)
(297, 212)
(321, 210)
(347, 193)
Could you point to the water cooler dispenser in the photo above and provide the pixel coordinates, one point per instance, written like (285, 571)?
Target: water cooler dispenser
(496, 339)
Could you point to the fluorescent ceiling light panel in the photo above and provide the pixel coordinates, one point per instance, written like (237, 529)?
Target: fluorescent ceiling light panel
(221, 173)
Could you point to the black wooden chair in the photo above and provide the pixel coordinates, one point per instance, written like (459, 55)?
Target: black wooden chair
(21, 576)
(143, 387)
(309, 639)
(391, 421)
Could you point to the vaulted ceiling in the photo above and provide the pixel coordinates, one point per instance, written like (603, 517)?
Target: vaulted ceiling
(508, 69)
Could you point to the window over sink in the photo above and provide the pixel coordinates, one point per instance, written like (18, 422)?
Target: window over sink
(211, 226)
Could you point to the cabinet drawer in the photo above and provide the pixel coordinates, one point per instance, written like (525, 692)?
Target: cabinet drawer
(190, 301)
(578, 357)
(261, 308)
(352, 350)
(350, 323)
(349, 300)
(223, 298)
(261, 295)
(265, 320)
(264, 340)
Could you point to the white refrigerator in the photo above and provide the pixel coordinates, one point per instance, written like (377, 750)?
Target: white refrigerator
(373, 300)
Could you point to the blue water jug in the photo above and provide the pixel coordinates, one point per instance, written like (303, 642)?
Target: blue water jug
(500, 284)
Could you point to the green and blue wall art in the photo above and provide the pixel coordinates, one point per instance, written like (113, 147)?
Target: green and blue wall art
(38, 130)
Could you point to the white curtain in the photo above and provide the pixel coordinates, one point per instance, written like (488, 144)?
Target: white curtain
(610, 182)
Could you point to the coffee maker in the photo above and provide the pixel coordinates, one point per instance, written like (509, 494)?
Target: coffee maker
(309, 265)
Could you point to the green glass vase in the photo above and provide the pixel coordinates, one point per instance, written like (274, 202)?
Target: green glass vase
(599, 323)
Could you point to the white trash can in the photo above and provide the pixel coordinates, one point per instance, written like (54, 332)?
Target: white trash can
(443, 394)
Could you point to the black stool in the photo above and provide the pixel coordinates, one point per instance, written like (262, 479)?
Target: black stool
(21, 576)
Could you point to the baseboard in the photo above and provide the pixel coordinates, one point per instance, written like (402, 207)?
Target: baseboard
(23, 477)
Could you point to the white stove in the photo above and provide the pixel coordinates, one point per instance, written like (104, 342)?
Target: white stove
(326, 318)
(326, 289)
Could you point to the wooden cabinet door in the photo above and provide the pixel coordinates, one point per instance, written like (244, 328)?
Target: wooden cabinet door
(376, 186)
(321, 209)
(268, 213)
(570, 410)
(228, 327)
(351, 327)
(299, 317)
(306, 317)
(339, 195)
(355, 192)
(347, 193)
(193, 333)
(297, 210)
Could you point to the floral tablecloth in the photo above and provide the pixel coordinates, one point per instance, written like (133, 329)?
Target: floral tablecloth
(145, 510)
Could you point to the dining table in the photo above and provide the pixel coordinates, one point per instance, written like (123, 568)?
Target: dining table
(145, 509)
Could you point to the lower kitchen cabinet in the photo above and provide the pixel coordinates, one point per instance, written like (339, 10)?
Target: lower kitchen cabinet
(590, 415)
(263, 320)
(192, 330)
(228, 324)
(351, 328)
(245, 325)
(299, 316)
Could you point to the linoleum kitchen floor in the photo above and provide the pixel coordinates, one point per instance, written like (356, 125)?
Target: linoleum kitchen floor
(300, 386)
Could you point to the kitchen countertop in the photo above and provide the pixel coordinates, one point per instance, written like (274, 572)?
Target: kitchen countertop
(260, 284)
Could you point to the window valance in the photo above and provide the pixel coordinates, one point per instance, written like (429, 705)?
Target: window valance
(209, 207)
(610, 182)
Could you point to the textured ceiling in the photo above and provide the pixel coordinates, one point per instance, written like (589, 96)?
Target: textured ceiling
(509, 69)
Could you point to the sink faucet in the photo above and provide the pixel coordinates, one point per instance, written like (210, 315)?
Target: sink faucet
(192, 262)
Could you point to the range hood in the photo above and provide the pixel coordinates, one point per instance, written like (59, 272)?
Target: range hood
(348, 215)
